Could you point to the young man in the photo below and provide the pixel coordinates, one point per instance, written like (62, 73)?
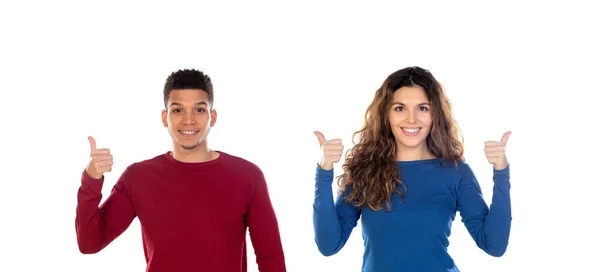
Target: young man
(193, 203)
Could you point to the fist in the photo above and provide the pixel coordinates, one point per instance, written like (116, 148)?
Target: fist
(101, 160)
(496, 152)
(331, 151)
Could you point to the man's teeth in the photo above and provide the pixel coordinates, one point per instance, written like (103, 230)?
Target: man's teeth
(411, 130)
(188, 131)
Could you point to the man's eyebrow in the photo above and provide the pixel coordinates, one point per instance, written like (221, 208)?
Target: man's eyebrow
(179, 104)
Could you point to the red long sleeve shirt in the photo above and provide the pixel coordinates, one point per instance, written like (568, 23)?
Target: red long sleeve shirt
(193, 216)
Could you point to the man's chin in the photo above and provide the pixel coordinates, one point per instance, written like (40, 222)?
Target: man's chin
(189, 147)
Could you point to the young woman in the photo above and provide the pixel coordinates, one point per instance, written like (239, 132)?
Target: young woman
(406, 178)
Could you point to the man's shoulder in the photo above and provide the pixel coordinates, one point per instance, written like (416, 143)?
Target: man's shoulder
(144, 164)
(238, 163)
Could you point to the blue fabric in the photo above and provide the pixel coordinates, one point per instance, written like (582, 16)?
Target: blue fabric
(413, 236)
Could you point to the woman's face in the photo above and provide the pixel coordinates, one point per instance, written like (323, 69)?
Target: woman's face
(410, 117)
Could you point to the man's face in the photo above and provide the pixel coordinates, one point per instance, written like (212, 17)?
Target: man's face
(189, 117)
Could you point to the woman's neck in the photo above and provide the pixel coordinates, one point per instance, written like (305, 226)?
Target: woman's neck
(413, 153)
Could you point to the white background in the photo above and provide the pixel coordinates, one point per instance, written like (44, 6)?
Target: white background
(281, 71)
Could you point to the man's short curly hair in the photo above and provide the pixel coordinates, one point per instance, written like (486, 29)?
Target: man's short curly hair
(188, 79)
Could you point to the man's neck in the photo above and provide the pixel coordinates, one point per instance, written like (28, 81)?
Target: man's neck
(199, 153)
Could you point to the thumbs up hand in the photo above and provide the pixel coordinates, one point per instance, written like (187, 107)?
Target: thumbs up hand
(332, 151)
(496, 152)
(101, 160)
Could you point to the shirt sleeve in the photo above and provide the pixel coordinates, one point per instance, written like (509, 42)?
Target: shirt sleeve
(264, 230)
(489, 227)
(333, 223)
(97, 226)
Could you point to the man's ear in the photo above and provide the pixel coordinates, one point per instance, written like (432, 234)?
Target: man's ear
(213, 117)
(164, 118)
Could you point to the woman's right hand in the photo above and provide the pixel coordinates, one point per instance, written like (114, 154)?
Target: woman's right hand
(331, 150)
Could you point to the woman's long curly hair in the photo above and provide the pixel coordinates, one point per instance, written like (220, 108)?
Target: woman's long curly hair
(370, 167)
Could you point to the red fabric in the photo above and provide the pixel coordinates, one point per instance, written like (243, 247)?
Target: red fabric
(193, 216)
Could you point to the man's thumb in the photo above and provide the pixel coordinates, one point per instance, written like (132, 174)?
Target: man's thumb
(92, 143)
(320, 137)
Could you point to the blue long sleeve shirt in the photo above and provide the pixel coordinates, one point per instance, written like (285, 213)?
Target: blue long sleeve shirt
(413, 236)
